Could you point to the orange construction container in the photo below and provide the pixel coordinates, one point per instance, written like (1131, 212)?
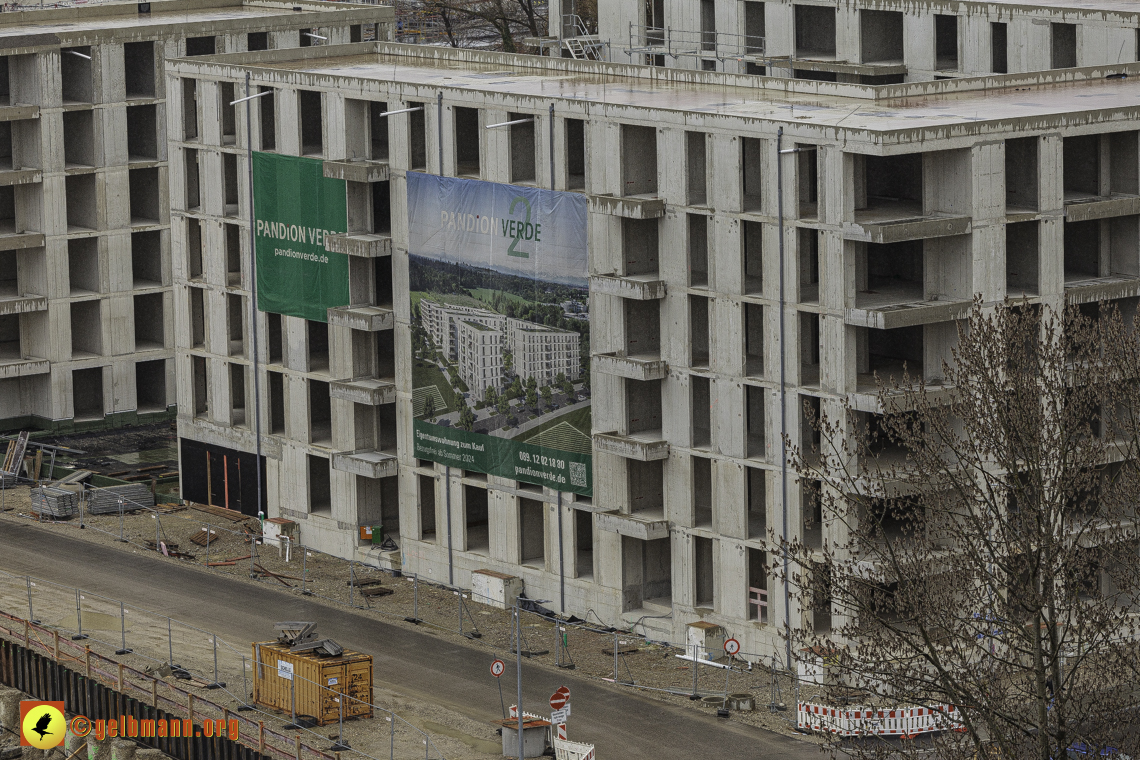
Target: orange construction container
(317, 683)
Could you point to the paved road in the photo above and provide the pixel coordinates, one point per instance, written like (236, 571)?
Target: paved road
(407, 660)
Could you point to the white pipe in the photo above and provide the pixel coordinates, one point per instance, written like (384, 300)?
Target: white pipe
(400, 110)
(508, 123)
(690, 658)
(251, 97)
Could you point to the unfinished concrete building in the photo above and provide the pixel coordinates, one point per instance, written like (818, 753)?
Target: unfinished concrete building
(86, 307)
(903, 202)
(859, 42)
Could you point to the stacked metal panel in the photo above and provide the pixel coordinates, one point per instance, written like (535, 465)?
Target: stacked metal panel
(55, 502)
(105, 501)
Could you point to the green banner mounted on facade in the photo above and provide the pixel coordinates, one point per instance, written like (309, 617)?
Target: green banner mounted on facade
(295, 207)
(499, 288)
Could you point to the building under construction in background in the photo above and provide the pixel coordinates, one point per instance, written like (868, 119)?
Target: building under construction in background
(933, 154)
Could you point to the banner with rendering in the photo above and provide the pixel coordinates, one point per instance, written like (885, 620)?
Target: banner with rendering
(500, 330)
(295, 206)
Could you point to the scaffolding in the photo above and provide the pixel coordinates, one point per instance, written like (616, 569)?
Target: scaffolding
(706, 45)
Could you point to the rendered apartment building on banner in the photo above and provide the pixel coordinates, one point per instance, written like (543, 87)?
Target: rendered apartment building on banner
(547, 335)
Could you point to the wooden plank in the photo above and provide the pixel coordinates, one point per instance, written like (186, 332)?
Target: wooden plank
(229, 514)
(376, 591)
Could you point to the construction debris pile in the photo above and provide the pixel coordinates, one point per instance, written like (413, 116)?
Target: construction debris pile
(55, 502)
(301, 636)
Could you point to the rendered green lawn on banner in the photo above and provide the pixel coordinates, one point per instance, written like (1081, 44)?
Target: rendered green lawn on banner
(500, 330)
(295, 207)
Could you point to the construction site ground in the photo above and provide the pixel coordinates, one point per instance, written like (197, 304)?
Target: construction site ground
(652, 667)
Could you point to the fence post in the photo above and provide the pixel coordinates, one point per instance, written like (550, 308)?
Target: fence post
(415, 597)
(157, 530)
(297, 746)
(615, 656)
(261, 737)
(78, 616)
(351, 582)
(459, 599)
(120, 677)
(123, 540)
(154, 692)
(214, 638)
(87, 661)
(27, 638)
(55, 643)
(169, 643)
(695, 658)
(123, 629)
(304, 570)
(392, 743)
(31, 613)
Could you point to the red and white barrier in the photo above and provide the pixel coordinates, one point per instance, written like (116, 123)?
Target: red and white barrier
(564, 750)
(906, 722)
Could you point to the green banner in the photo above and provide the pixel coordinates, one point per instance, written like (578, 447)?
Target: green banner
(561, 470)
(295, 206)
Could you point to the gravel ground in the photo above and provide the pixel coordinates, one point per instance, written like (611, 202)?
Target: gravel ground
(652, 667)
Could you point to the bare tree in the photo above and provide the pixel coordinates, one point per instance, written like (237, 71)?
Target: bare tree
(467, 22)
(979, 544)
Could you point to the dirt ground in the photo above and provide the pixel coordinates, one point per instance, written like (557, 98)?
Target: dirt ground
(654, 668)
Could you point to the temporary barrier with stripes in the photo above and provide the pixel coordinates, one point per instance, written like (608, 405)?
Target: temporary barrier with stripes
(564, 750)
(905, 722)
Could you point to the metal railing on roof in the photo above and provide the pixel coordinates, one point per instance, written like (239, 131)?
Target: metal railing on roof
(657, 40)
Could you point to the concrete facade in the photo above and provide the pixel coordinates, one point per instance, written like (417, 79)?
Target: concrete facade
(87, 326)
(903, 203)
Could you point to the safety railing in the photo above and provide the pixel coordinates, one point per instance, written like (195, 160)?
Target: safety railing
(655, 40)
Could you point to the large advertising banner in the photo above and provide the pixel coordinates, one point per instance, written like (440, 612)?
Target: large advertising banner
(295, 207)
(500, 330)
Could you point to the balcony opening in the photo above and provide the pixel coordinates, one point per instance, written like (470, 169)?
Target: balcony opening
(377, 131)
(811, 506)
(189, 109)
(1022, 259)
(888, 354)
(365, 431)
(584, 543)
(385, 354)
(702, 411)
(193, 188)
(754, 424)
(200, 46)
(235, 321)
(809, 348)
(382, 282)
(86, 329)
(378, 505)
(999, 48)
(532, 532)
(1021, 185)
(276, 341)
(150, 325)
(478, 519)
(753, 340)
(697, 154)
(318, 338)
(417, 137)
(1081, 168)
(145, 197)
(1064, 47)
(575, 154)
(233, 255)
(268, 112)
(83, 266)
(276, 388)
(752, 170)
(890, 273)
(194, 270)
(639, 160)
(231, 183)
(891, 184)
(640, 247)
(6, 159)
(757, 502)
(381, 208)
(467, 141)
(320, 486)
(881, 36)
(426, 505)
(646, 484)
(229, 114)
(320, 413)
(946, 42)
(807, 171)
(752, 243)
(201, 383)
(8, 210)
(255, 41)
(820, 598)
(702, 493)
(150, 386)
(1082, 250)
(809, 418)
(522, 149)
(75, 66)
(698, 251)
(142, 133)
(386, 434)
(1122, 147)
(87, 393)
(197, 318)
(815, 31)
(5, 82)
(9, 275)
(754, 32)
(757, 585)
(237, 396)
(704, 573)
(642, 328)
(699, 331)
(312, 128)
(10, 348)
(355, 33)
(646, 573)
(808, 250)
(79, 138)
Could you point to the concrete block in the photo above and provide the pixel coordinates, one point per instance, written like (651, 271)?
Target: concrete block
(495, 589)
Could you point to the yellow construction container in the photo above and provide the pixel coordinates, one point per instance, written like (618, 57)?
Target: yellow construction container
(317, 684)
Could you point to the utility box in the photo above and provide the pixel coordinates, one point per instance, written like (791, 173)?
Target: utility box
(317, 684)
(705, 640)
(496, 589)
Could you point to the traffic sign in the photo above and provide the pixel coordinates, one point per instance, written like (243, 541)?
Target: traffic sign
(497, 668)
(558, 717)
(731, 647)
(559, 698)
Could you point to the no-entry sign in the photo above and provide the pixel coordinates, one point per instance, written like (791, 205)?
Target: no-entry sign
(559, 698)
